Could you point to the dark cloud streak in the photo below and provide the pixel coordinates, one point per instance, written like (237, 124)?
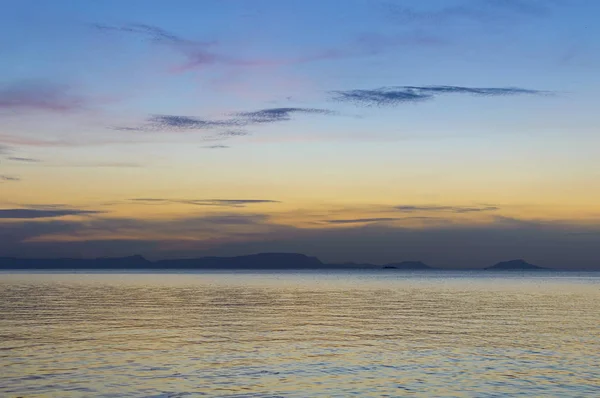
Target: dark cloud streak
(206, 202)
(394, 95)
(6, 178)
(177, 123)
(451, 209)
(42, 213)
(277, 114)
(362, 220)
(26, 160)
(150, 32)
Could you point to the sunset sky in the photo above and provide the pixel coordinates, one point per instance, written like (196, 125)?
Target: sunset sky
(459, 133)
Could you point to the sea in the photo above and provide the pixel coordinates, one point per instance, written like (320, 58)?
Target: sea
(383, 333)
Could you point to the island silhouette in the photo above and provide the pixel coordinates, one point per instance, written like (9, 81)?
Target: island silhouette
(515, 265)
(260, 261)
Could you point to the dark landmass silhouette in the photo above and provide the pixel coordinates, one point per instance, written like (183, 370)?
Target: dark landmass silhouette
(515, 265)
(131, 262)
(261, 261)
(351, 265)
(253, 261)
(408, 265)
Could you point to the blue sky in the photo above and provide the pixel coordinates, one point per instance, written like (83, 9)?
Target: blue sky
(330, 111)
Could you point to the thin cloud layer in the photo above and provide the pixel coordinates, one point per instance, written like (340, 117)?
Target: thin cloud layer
(199, 54)
(176, 123)
(6, 178)
(205, 202)
(42, 213)
(451, 209)
(362, 220)
(196, 53)
(222, 136)
(232, 234)
(105, 164)
(278, 114)
(482, 11)
(19, 140)
(233, 133)
(20, 159)
(394, 95)
(149, 32)
(40, 96)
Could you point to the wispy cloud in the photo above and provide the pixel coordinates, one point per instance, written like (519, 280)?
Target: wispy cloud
(236, 219)
(441, 208)
(6, 178)
(44, 206)
(26, 141)
(149, 32)
(104, 164)
(278, 114)
(4, 149)
(217, 136)
(42, 213)
(216, 147)
(233, 133)
(479, 11)
(361, 220)
(406, 94)
(20, 159)
(107, 234)
(39, 96)
(176, 123)
(206, 202)
(198, 54)
(70, 142)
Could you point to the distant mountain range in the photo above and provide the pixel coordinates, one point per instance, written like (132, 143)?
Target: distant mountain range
(261, 261)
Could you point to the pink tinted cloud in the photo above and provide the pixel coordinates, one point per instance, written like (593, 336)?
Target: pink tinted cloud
(200, 57)
(261, 84)
(26, 141)
(26, 96)
(199, 54)
(17, 141)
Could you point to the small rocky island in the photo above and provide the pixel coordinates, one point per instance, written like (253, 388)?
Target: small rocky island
(515, 265)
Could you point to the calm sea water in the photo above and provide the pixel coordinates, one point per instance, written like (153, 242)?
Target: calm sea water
(305, 334)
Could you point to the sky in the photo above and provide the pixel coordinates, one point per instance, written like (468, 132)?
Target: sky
(459, 133)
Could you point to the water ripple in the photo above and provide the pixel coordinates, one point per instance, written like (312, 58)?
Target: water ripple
(298, 335)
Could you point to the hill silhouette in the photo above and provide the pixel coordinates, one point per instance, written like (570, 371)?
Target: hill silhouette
(252, 261)
(260, 261)
(137, 262)
(515, 265)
